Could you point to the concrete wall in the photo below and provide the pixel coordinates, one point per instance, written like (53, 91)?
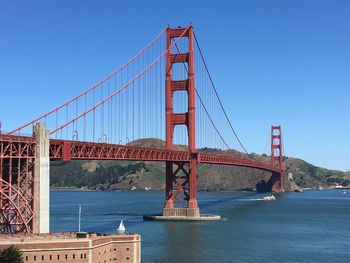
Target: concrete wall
(110, 248)
(42, 180)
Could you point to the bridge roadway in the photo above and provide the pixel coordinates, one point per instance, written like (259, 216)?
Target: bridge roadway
(77, 150)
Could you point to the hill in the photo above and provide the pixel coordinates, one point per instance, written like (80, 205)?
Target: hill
(113, 175)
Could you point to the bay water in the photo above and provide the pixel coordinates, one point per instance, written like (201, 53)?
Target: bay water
(313, 226)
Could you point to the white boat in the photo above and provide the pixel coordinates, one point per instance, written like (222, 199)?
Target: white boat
(121, 228)
(269, 198)
(344, 192)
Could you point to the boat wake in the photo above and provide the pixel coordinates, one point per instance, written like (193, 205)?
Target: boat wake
(253, 199)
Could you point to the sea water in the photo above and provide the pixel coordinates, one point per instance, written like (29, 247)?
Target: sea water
(313, 226)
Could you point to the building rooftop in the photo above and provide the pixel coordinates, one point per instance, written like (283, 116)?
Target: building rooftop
(64, 237)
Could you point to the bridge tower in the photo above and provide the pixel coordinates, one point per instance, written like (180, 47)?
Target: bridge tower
(180, 176)
(277, 158)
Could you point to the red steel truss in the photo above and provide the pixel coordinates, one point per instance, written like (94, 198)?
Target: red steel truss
(17, 160)
(75, 150)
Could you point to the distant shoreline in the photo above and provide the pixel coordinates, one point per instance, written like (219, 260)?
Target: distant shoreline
(52, 188)
(73, 189)
(137, 190)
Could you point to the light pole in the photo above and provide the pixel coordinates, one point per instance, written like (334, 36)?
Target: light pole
(75, 135)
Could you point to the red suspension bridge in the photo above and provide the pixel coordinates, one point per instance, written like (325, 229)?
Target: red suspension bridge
(160, 93)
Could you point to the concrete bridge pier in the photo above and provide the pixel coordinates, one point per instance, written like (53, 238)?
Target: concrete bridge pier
(41, 180)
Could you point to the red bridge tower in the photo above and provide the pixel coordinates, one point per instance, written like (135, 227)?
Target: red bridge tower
(180, 176)
(277, 158)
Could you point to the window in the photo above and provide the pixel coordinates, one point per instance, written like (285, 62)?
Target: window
(42, 258)
(127, 249)
(73, 256)
(34, 258)
(66, 256)
(84, 256)
(81, 256)
(50, 257)
(115, 249)
(58, 257)
(26, 258)
(127, 258)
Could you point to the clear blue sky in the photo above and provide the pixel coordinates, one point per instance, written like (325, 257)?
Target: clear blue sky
(274, 62)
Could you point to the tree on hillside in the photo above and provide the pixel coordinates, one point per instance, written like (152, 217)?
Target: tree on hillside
(11, 255)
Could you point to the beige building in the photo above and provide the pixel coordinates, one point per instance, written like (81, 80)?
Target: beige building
(76, 247)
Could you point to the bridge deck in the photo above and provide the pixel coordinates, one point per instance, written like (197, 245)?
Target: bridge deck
(73, 150)
(77, 150)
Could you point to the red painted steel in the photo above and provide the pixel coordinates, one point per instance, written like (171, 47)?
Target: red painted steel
(182, 180)
(17, 161)
(236, 161)
(73, 150)
(277, 157)
(103, 151)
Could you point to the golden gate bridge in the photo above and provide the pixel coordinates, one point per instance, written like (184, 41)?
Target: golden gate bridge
(165, 92)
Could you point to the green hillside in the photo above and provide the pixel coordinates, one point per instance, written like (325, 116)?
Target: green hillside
(112, 175)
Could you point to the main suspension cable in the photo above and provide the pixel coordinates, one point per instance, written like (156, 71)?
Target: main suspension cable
(217, 95)
(206, 111)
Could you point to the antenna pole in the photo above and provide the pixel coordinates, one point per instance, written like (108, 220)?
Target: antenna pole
(79, 217)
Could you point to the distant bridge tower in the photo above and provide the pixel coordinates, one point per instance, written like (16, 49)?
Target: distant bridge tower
(180, 176)
(277, 158)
